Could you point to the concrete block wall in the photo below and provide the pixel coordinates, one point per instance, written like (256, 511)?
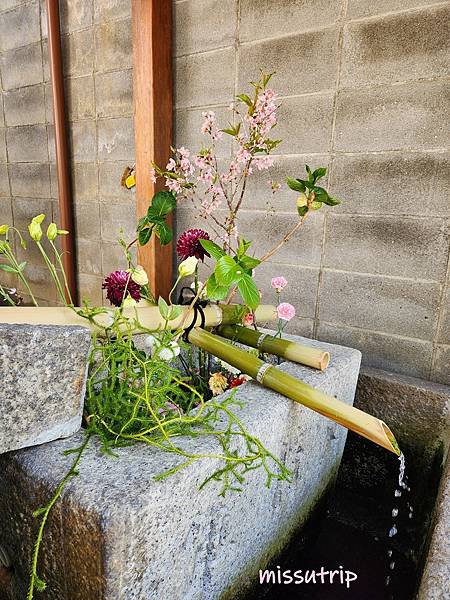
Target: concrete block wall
(364, 91)
(97, 54)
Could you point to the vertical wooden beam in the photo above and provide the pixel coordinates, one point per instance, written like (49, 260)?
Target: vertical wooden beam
(152, 89)
(62, 153)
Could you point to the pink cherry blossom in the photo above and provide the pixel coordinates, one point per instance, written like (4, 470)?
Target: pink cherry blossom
(263, 162)
(186, 166)
(152, 175)
(285, 311)
(183, 152)
(171, 165)
(279, 283)
(173, 185)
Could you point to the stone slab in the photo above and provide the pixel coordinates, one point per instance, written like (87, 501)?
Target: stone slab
(118, 534)
(43, 374)
(436, 574)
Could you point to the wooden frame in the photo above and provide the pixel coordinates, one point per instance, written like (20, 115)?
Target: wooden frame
(152, 90)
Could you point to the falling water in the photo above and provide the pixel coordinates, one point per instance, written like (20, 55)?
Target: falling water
(400, 488)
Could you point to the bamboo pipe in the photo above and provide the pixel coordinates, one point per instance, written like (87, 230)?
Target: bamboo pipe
(148, 316)
(62, 154)
(305, 355)
(268, 375)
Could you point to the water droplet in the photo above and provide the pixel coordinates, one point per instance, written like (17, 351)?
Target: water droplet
(389, 553)
(388, 579)
(397, 493)
(394, 512)
(392, 565)
(393, 531)
(410, 515)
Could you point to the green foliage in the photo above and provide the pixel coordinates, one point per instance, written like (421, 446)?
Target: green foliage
(162, 205)
(232, 270)
(314, 195)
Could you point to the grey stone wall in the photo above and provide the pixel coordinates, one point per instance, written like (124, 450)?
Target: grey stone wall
(364, 93)
(97, 62)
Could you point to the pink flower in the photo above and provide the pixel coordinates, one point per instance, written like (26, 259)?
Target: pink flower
(208, 123)
(248, 320)
(187, 167)
(265, 162)
(153, 175)
(285, 311)
(279, 283)
(183, 152)
(206, 177)
(173, 185)
(171, 165)
(242, 155)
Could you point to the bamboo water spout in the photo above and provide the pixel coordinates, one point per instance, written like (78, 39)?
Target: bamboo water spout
(148, 316)
(268, 375)
(305, 355)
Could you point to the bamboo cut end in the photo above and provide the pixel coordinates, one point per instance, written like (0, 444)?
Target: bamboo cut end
(324, 361)
(390, 439)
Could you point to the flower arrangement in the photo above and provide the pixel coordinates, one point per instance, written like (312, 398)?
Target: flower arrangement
(156, 388)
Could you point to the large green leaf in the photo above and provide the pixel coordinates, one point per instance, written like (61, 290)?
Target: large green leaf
(227, 271)
(214, 290)
(249, 291)
(249, 262)
(212, 249)
(162, 204)
(164, 233)
(144, 235)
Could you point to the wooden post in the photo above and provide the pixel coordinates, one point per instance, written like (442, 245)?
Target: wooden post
(152, 89)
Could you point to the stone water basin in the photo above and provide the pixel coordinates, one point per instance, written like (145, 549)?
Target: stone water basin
(117, 534)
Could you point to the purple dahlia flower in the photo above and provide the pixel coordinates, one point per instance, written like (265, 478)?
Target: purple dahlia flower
(189, 244)
(115, 285)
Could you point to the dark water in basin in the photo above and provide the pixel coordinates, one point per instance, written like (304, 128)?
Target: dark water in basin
(351, 530)
(335, 545)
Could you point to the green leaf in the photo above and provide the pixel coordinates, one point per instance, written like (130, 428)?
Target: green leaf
(227, 271)
(22, 266)
(168, 311)
(164, 233)
(144, 235)
(249, 262)
(302, 210)
(162, 204)
(248, 101)
(243, 247)
(8, 269)
(319, 173)
(214, 290)
(163, 308)
(331, 201)
(296, 184)
(212, 249)
(249, 291)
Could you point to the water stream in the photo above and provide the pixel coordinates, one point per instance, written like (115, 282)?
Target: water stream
(401, 488)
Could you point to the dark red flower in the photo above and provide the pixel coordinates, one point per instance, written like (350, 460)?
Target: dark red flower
(189, 245)
(237, 381)
(115, 285)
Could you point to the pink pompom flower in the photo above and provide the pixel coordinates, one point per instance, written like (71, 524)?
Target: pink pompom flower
(285, 311)
(279, 283)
